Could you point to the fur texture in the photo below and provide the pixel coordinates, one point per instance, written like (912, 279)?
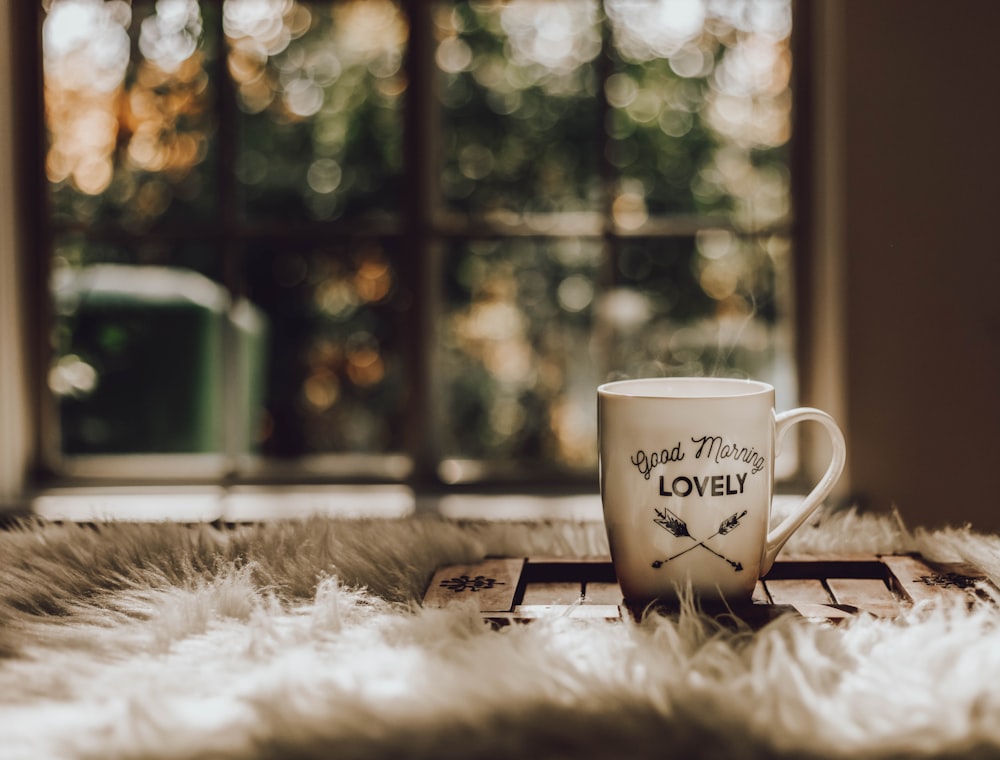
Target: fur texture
(306, 640)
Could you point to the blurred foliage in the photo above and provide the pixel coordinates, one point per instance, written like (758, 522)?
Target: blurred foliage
(321, 113)
(337, 378)
(132, 140)
(654, 136)
(519, 133)
(515, 349)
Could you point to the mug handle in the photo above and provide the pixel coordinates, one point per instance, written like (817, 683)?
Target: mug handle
(783, 421)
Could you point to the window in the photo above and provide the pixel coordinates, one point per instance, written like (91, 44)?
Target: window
(403, 240)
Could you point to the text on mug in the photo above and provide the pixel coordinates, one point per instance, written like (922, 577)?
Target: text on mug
(708, 447)
(646, 462)
(713, 485)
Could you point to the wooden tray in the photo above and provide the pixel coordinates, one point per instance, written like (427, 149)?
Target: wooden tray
(825, 588)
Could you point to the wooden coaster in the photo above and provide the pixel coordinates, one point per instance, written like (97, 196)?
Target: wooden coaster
(826, 588)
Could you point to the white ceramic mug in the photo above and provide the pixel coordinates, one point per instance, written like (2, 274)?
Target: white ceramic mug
(687, 479)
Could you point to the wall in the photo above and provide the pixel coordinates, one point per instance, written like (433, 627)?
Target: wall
(921, 267)
(14, 424)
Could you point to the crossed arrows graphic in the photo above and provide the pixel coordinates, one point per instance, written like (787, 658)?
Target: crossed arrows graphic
(677, 527)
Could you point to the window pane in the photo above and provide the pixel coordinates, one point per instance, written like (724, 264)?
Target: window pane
(520, 125)
(320, 91)
(128, 106)
(517, 369)
(700, 109)
(139, 338)
(531, 327)
(708, 305)
(336, 373)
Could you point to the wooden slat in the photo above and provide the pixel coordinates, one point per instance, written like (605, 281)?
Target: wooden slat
(760, 594)
(869, 595)
(552, 593)
(492, 583)
(919, 582)
(587, 611)
(797, 590)
(815, 611)
(851, 558)
(596, 592)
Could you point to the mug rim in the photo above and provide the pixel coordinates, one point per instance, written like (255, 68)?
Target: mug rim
(715, 388)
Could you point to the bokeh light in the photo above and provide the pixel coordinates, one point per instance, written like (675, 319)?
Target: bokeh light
(517, 86)
(125, 134)
(514, 349)
(326, 77)
(336, 378)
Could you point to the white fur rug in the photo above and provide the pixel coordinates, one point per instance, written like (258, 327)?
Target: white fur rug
(306, 640)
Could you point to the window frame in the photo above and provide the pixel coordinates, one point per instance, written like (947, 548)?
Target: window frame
(422, 225)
